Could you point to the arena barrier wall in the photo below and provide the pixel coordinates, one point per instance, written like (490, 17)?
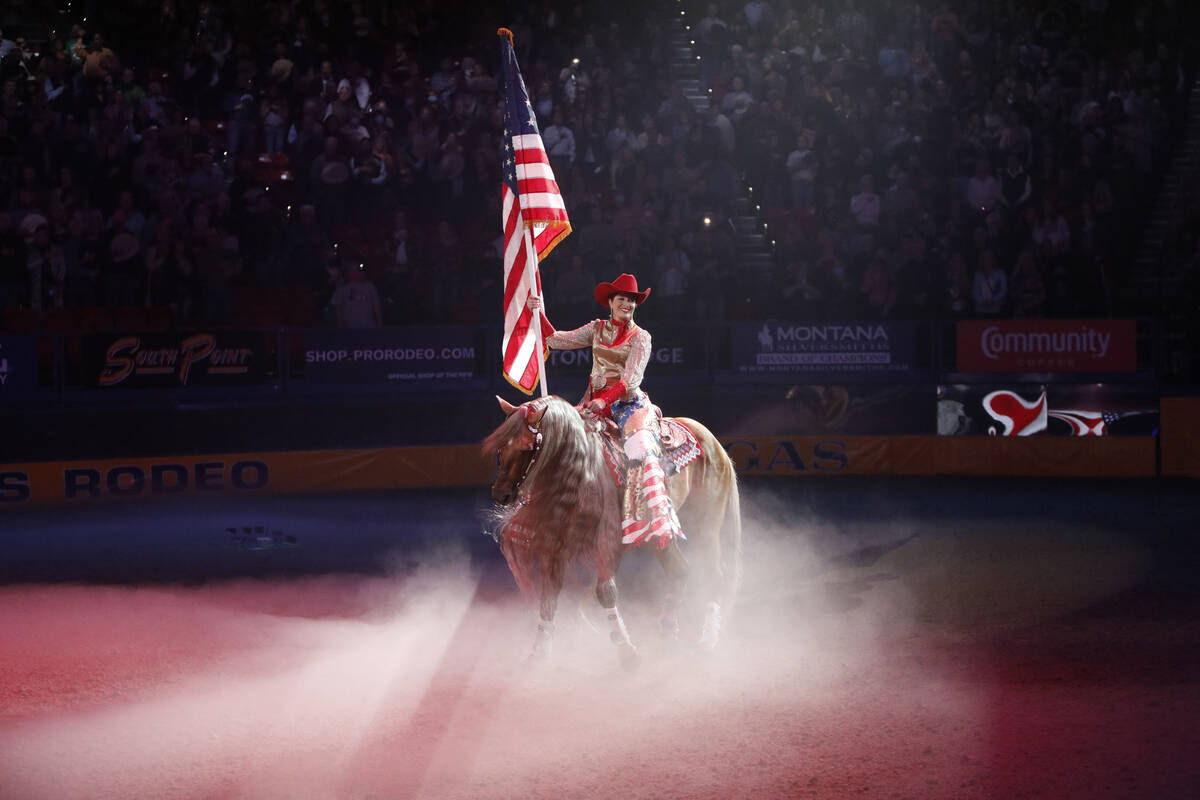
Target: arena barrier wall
(1034, 456)
(76, 482)
(317, 471)
(1180, 455)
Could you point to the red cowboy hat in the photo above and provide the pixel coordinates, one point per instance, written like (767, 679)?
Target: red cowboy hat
(624, 284)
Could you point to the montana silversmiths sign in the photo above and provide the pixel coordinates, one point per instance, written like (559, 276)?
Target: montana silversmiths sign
(792, 348)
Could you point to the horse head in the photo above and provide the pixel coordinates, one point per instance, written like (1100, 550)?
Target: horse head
(516, 444)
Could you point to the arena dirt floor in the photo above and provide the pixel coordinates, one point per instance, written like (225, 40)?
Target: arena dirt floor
(893, 639)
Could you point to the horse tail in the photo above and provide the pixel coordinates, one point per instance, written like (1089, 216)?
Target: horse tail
(731, 541)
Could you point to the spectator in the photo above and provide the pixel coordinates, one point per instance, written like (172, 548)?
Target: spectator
(878, 292)
(99, 62)
(559, 141)
(1050, 229)
(1029, 290)
(757, 14)
(990, 289)
(1016, 187)
(983, 190)
(737, 100)
(573, 285)
(356, 301)
(894, 61)
(865, 206)
(274, 114)
(672, 269)
(123, 274)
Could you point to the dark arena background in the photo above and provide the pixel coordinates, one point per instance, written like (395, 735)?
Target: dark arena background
(931, 274)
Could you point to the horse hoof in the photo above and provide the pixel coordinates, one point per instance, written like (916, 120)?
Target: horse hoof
(538, 654)
(711, 630)
(631, 659)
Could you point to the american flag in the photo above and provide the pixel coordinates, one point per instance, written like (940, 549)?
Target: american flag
(1088, 423)
(534, 220)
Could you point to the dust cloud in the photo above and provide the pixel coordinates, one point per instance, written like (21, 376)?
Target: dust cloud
(418, 683)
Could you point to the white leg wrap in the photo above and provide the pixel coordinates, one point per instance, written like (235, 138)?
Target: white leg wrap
(711, 632)
(669, 620)
(544, 641)
(619, 633)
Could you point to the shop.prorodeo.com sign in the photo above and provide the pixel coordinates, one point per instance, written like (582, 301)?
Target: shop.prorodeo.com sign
(393, 355)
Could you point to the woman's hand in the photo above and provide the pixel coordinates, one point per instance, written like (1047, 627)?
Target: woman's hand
(594, 407)
(533, 303)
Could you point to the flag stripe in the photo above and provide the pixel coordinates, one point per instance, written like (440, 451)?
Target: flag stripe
(529, 157)
(540, 186)
(542, 207)
(534, 171)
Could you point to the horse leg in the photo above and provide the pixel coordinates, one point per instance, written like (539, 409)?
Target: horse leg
(707, 551)
(702, 520)
(551, 586)
(675, 565)
(606, 593)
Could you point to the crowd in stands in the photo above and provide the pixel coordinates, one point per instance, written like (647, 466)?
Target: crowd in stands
(970, 158)
(305, 162)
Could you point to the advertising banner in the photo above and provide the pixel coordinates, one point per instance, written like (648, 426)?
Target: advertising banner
(73, 482)
(792, 348)
(175, 360)
(1074, 409)
(18, 367)
(394, 355)
(1027, 345)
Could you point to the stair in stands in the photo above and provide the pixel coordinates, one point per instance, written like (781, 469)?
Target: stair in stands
(1158, 273)
(755, 248)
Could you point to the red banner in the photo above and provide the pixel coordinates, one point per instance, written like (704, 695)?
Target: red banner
(1065, 345)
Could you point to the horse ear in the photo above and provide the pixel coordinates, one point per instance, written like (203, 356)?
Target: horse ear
(505, 406)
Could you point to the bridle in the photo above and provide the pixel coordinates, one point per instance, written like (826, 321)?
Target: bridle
(534, 408)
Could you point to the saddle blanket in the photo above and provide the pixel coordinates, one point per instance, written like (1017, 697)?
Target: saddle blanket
(679, 448)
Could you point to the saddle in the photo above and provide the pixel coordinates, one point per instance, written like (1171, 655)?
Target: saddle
(679, 447)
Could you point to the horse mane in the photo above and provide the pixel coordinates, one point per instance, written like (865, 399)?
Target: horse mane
(570, 508)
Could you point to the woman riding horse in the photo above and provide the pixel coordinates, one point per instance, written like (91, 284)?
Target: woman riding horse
(620, 352)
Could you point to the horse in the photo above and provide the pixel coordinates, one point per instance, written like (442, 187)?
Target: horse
(558, 500)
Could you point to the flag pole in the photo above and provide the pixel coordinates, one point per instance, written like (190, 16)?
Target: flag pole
(531, 280)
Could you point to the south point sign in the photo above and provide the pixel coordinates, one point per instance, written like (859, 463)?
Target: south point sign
(164, 360)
